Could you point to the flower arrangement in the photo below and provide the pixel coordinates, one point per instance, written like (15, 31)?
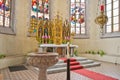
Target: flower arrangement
(67, 38)
(46, 39)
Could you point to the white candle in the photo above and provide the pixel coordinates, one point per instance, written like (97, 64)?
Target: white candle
(68, 49)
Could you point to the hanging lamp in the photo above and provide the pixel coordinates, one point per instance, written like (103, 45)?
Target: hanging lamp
(102, 19)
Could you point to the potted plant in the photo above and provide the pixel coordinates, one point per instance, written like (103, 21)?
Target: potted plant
(2, 56)
(76, 53)
(101, 52)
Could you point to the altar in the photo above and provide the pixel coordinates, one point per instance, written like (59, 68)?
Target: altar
(50, 33)
(56, 48)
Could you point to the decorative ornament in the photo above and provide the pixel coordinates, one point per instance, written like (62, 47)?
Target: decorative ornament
(81, 19)
(102, 19)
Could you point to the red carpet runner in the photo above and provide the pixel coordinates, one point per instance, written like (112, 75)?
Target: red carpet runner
(73, 64)
(75, 67)
(93, 75)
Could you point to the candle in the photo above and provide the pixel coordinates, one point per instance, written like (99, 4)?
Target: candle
(68, 49)
(102, 7)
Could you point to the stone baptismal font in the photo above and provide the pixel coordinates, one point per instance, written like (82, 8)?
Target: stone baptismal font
(42, 61)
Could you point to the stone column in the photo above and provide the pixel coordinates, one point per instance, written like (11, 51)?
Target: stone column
(42, 74)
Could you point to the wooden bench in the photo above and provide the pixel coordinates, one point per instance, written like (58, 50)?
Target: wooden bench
(1, 77)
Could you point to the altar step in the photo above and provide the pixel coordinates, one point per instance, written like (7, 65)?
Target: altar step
(62, 69)
(75, 63)
(77, 59)
(64, 64)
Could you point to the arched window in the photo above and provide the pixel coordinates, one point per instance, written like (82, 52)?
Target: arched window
(40, 9)
(77, 17)
(6, 16)
(112, 28)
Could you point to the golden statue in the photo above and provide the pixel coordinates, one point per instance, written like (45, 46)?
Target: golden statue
(44, 31)
(66, 32)
(57, 29)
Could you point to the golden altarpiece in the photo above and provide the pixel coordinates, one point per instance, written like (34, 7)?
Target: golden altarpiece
(52, 34)
(54, 31)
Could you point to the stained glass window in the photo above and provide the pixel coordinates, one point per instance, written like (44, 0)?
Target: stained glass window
(77, 18)
(5, 10)
(40, 9)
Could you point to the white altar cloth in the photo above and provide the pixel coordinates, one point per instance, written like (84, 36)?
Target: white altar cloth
(54, 45)
(43, 48)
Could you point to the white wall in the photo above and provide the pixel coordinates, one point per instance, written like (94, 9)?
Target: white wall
(111, 46)
(18, 44)
(61, 6)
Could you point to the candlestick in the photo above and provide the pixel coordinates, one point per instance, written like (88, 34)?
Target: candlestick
(68, 48)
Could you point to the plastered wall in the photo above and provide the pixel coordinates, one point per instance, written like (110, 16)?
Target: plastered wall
(19, 43)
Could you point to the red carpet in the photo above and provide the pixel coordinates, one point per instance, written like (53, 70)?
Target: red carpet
(73, 63)
(93, 75)
(65, 59)
(77, 68)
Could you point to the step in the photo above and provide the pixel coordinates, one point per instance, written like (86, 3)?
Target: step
(62, 69)
(58, 65)
(86, 61)
(75, 67)
(64, 64)
(74, 63)
(77, 59)
(91, 65)
(60, 61)
(65, 59)
(56, 70)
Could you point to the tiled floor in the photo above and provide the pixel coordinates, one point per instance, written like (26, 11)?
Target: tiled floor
(1, 77)
(32, 74)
